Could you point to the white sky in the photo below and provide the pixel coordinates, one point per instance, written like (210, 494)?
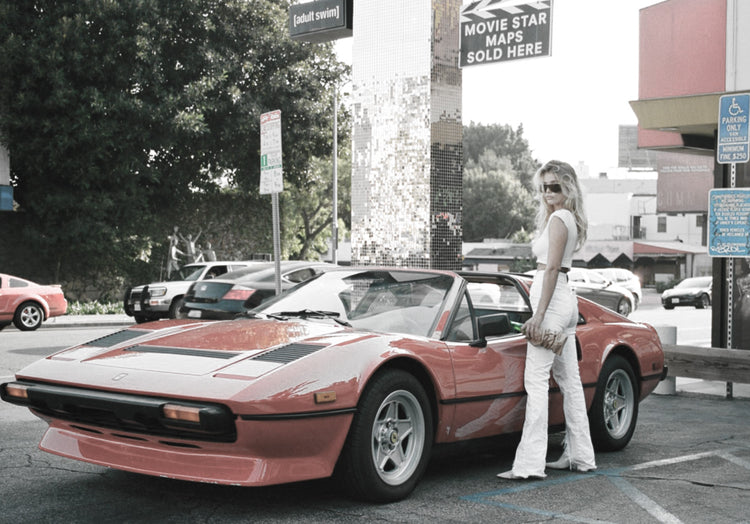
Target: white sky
(572, 102)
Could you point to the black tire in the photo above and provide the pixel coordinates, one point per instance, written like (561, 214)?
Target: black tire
(175, 306)
(614, 412)
(623, 307)
(668, 307)
(393, 420)
(3, 326)
(126, 303)
(140, 319)
(703, 302)
(29, 316)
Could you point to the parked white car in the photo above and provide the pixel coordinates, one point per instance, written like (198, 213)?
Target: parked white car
(624, 278)
(589, 284)
(164, 299)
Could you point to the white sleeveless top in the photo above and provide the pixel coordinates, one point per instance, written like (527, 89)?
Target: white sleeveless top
(540, 246)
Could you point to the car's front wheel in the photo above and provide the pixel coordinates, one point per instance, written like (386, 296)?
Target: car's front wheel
(390, 440)
(29, 316)
(175, 307)
(614, 412)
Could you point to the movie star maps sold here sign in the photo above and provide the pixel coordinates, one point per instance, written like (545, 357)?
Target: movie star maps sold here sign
(502, 30)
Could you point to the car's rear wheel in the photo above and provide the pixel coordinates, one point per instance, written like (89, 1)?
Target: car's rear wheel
(623, 307)
(703, 302)
(614, 411)
(29, 316)
(390, 440)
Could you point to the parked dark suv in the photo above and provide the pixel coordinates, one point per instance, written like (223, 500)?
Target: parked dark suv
(164, 299)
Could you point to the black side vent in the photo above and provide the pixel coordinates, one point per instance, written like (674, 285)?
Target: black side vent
(289, 353)
(208, 353)
(115, 338)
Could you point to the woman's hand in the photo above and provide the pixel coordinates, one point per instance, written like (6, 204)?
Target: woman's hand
(532, 329)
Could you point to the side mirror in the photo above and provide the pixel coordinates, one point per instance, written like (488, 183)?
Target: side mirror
(492, 326)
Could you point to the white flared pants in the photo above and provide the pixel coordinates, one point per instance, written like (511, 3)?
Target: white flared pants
(531, 454)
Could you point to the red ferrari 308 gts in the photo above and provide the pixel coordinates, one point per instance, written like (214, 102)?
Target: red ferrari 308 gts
(356, 373)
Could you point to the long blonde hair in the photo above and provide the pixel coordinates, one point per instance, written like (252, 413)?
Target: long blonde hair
(573, 197)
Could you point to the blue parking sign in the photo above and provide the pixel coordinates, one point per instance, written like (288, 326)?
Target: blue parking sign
(733, 145)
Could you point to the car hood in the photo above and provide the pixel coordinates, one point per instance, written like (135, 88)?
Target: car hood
(190, 348)
(685, 291)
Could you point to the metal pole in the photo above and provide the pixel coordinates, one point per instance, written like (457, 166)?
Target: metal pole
(730, 288)
(276, 240)
(335, 220)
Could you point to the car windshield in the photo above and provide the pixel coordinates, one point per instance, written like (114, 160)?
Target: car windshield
(396, 301)
(690, 283)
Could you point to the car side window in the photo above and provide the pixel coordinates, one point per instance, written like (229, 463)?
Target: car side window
(300, 275)
(462, 327)
(216, 271)
(14, 282)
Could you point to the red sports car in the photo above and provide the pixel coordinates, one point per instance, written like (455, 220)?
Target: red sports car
(355, 373)
(27, 304)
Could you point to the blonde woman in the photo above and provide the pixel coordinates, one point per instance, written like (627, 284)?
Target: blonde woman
(561, 223)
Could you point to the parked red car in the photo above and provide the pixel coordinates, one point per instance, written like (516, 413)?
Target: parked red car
(355, 373)
(27, 304)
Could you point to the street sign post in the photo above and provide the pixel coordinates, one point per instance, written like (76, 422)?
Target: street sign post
(271, 177)
(503, 30)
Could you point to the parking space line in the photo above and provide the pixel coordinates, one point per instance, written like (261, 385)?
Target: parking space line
(648, 504)
(615, 476)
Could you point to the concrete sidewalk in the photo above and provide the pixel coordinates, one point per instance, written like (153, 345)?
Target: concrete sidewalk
(120, 320)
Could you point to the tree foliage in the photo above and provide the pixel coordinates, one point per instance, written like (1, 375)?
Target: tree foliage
(124, 118)
(498, 197)
(307, 209)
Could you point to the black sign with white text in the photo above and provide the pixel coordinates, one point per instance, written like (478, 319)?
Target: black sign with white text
(503, 30)
(321, 20)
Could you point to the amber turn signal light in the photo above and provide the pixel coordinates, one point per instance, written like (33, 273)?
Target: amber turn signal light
(17, 391)
(182, 413)
(324, 397)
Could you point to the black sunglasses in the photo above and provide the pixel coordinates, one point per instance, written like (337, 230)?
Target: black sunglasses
(555, 188)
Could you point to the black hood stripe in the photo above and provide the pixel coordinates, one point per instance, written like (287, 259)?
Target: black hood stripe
(288, 353)
(208, 353)
(115, 338)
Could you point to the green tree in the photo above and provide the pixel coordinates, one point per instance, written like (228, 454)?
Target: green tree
(307, 209)
(498, 199)
(125, 118)
(506, 142)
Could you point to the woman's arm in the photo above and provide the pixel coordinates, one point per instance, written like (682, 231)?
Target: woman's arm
(558, 236)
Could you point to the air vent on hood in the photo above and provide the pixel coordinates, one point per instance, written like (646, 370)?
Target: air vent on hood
(288, 353)
(115, 338)
(183, 351)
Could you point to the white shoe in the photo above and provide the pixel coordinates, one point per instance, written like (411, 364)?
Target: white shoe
(561, 463)
(513, 476)
(564, 463)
